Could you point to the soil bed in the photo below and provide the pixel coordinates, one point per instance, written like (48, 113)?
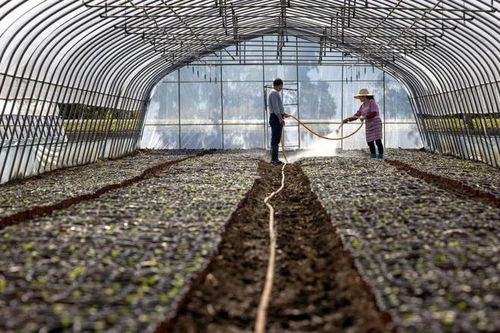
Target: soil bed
(476, 175)
(316, 287)
(120, 262)
(431, 256)
(42, 192)
(448, 184)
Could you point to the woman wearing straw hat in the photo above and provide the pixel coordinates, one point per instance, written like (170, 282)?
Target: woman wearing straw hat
(369, 112)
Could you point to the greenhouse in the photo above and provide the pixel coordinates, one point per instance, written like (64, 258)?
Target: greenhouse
(249, 166)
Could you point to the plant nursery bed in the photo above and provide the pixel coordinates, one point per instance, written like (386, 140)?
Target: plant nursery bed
(431, 256)
(63, 184)
(316, 286)
(123, 261)
(476, 176)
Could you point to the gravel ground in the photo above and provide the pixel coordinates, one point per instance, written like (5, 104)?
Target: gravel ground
(123, 261)
(432, 257)
(62, 184)
(478, 175)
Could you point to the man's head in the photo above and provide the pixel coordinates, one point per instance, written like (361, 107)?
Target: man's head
(278, 84)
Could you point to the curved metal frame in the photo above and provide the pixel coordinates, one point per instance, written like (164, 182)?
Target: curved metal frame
(111, 53)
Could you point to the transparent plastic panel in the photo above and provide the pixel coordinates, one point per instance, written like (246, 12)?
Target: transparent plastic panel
(308, 53)
(247, 52)
(164, 106)
(288, 52)
(129, 79)
(320, 101)
(290, 97)
(291, 109)
(199, 73)
(200, 103)
(397, 105)
(171, 77)
(290, 135)
(242, 73)
(16, 27)
(244, 137)
(402, 136)
(362, 73)
(160, 137)
(243, 102)
(50, 46)
(287, 73)
(31, 31)
(320, 73)
(201, 137)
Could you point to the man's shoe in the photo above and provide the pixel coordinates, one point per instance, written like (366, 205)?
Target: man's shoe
(278, 162)
(381, 156)
(373, 155)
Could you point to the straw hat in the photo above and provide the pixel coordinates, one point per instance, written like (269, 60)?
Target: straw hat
(362, 92)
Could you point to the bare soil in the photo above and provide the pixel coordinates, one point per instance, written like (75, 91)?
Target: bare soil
(316, 286)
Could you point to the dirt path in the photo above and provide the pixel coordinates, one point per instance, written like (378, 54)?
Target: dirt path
(316, 287)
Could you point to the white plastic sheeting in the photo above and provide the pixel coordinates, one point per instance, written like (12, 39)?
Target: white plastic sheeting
(111, 53)
(201, 107)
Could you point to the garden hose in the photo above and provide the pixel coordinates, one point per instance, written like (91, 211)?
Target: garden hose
(283, 146)
(317, 134)
(260, 323)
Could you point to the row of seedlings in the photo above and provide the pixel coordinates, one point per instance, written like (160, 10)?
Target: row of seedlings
(477, 175)
(63, 184)
(123, 261)
(431, 257)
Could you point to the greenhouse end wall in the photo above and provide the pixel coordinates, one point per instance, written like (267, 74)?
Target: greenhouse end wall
(223, 107)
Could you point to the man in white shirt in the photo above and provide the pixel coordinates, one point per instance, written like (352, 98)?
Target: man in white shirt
(276, 119)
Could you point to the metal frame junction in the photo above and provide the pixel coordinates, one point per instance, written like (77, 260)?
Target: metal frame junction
(76, 76)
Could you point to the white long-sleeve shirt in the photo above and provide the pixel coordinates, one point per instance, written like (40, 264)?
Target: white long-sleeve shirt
(276, 104)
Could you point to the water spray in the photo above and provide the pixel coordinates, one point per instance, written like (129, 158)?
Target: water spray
(319, 135)
(339, 128)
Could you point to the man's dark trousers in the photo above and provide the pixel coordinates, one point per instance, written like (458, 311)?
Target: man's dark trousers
(276, 130)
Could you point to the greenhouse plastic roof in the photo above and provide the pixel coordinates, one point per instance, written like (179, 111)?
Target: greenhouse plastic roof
(124, 47)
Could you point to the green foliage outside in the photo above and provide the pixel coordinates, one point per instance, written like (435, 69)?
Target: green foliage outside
(88, 118)
(100, 125)
(473, 125)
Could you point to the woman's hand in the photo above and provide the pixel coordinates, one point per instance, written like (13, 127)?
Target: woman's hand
(353, 118)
